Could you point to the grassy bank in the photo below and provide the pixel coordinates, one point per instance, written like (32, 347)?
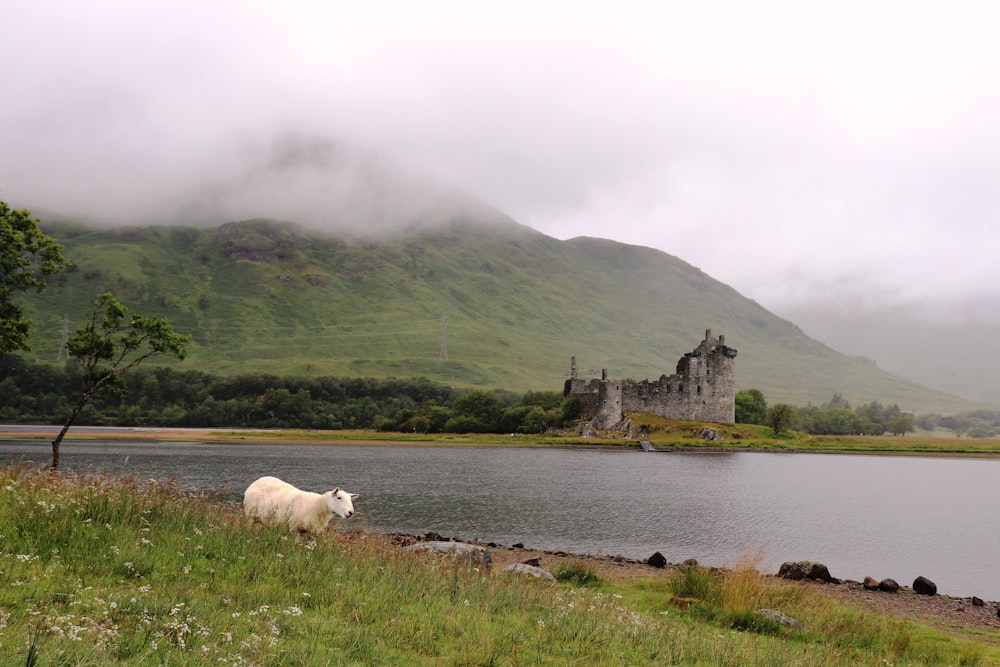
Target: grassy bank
(102, 570)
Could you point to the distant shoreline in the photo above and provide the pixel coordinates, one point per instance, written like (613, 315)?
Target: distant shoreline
(336, 438)
(274, 436)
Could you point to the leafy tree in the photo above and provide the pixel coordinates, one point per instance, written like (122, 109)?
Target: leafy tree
(838, 421)
(465, 424)
(437, 416)
(111, 344)
(981, 430)
(416, 424)
(381, 423)
(26, 256)
(751, 406)
(901, 424)
(544, 399)
(283, 408)
(513, 418)
(928, 422)
(480, 407)
(871, 420)
(779, 417)
(569, 411)
(535, 421)
(951, 422)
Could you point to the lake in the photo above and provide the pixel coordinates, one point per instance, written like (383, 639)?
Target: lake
(896, 517)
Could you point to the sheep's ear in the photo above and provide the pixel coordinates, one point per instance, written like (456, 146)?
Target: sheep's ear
(335, 491)
(353, 496)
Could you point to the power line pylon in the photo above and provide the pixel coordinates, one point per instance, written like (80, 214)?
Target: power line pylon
(63, 354)
(443, 354)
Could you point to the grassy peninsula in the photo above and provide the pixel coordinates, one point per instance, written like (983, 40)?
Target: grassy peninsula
(119, 570)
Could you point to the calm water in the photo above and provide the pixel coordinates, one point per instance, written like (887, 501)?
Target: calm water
(877, 516)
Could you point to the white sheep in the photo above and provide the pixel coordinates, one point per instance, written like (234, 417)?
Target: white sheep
(273, 502)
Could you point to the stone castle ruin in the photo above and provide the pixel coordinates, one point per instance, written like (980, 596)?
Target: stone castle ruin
(702, 389)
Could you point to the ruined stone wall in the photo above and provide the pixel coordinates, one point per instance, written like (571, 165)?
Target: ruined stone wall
(701, 389)
(586, 393)
(598, 398)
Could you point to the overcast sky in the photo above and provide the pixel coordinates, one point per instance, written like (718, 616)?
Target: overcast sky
(802, 152)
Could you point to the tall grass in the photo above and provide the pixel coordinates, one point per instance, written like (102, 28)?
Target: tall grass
(730, 598)
(101, 570)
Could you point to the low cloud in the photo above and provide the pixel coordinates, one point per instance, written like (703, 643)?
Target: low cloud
(801, 155)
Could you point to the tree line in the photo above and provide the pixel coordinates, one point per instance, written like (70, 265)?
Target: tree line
(837, 417)
(164, 396)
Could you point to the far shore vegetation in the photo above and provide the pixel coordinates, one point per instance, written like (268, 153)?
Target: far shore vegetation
(116, 570)
(679, 437)
(419, 410)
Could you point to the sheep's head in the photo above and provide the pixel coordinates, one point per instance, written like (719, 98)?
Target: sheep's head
(340, 502)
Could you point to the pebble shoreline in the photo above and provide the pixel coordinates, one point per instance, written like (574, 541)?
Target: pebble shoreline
(404, 539)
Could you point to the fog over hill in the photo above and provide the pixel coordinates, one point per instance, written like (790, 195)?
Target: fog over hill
(745, 139)
(325, 185)
(395, 246)
(957, 356)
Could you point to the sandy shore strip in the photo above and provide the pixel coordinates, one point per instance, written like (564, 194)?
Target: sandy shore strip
(275, 436)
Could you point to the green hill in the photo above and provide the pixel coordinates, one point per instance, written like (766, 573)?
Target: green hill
(501, 306)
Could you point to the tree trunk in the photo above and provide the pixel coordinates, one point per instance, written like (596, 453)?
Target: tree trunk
(69, 422)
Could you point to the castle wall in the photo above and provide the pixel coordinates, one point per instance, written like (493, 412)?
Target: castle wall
(597, 397)
(701, 389)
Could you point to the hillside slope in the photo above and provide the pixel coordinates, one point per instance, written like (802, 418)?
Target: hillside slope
(498, 306)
